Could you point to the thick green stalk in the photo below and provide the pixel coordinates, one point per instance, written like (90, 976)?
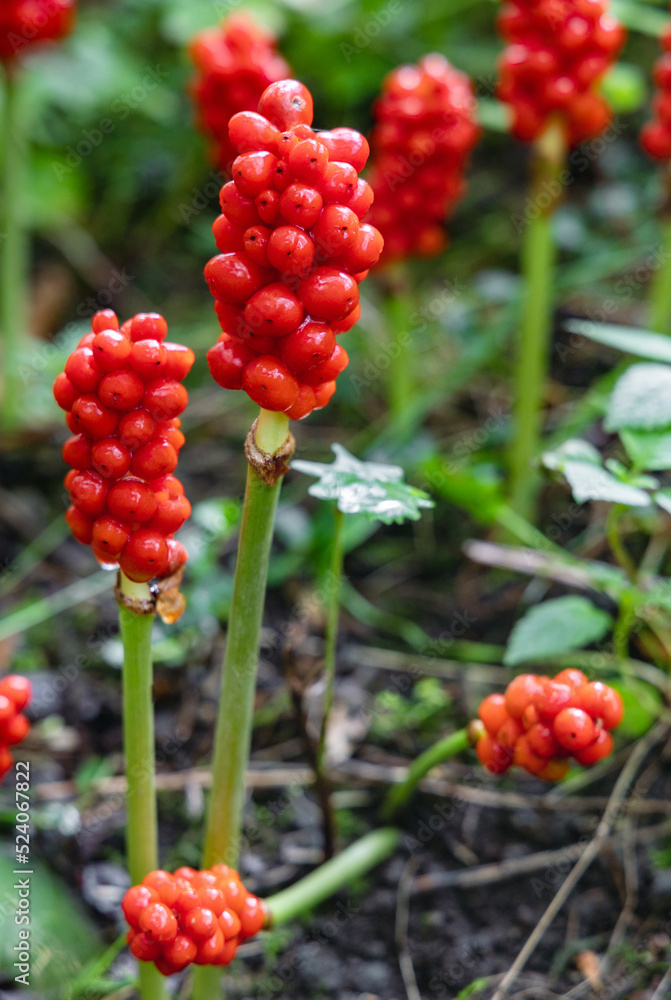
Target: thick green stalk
(13, 247)
(448, 747)
(659, 307)
(332, 591)
(236, 705)
(537, 264)
(331, 877)
(332, 601)
(139, 750)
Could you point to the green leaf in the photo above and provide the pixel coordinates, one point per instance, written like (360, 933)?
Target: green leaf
(574, 449)
(588, 482)
(631, 340)
(624, 87)
(555, 627)
(663, 499)
(642, 705)
(59, 929)
(649, 450)
(641, 399)
(477, 489)
(370, 488)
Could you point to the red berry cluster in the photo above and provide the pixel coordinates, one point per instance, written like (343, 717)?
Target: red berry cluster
(15, 693)
(425, 129)
(293, 251)
(190, 916)
(235, 63)
(542, 721)
(28, 22)
(656, 134)
(122, 393)
(558, 52)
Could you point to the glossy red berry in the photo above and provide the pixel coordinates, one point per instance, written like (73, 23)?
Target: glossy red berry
(109, 535)
(287, 103)
(493, 713)
(111, 458)
(144, 556)
(269, 383)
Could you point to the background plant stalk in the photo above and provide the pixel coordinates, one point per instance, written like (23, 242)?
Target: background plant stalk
(537, 264)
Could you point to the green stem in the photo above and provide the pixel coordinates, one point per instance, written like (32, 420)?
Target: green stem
(139, 750)
(448, 747)
(616, 544)
(333, 588)
(659, 303)
(13, 247)
(537, 264)
(329, 878)
(236, 704)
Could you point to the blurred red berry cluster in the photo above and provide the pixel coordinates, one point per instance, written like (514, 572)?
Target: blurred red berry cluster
(15, 694)
(558, 51)
(294, 248)
(190, 916)
(656, 134)
(235, 63)
(540, 722)
(425, 128)
(122, 392)
(28, 22)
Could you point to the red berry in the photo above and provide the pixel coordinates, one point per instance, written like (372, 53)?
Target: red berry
(270, 383)
(111, 350)
(304, 405)
(252, 917)
(551, 698)
(88, 492)
(82, 370)
(110, 458)
(199, 923)
(309, 345)
(145, 556)
(542, 741)
(132, 501)
(105, 319)
(495, 758)
(180, 952)
(233, 277)
(77, 452)
(287, 103)
(601, 747)
(328, 294)
(520, 693)
(237, 207)
(154, 459)
(227, 361)
(121, 390)
(136, 901)
(14, 730)
(110, 535)
(148, 326)
(253, 172)
(249, 130)
(92, 418)
(291, 251)
(143, 946)
(493, 713)
(308, 159)
(80, 524)
(274, 311)
(601, 702)
(65, 393)
(347, 146)
(165, 399)
(327, 371)
(573, 729)
(158, 922)
(255, 244)
(136, 428)
(300, 205)
(18, 689)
